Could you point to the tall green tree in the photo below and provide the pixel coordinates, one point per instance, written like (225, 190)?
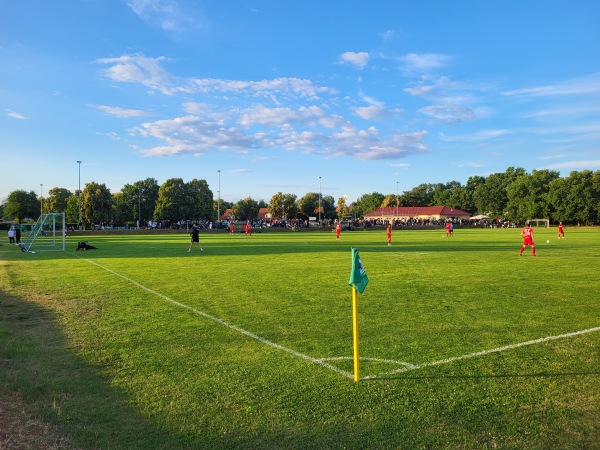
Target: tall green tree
(56, 200)
(422, 195)
(21, 204)
(138, 200)
(200, 200)
(96, 203)
(582, 197)
(328, 205)
(72, 210)
(368, 202)
(276, 205)
(171, 202)
(246, 209)
(528, 196)
(308, 205)
(491, 197)
(342, 209)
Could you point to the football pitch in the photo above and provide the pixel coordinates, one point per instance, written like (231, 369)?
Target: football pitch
(248, 344)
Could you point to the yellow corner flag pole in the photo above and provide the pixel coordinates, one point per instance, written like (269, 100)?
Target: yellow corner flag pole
(355, 334)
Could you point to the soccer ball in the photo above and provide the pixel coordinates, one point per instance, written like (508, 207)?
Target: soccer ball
(548, 241)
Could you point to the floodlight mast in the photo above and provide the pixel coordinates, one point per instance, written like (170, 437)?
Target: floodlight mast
(319, 201)
(219, 199)
(79, 196)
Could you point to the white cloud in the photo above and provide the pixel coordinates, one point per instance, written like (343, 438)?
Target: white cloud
(120, 112)
(448, 113)
(576, 165)
(175, 18)
(479, 136)
(357, 59)
(578, 86)
(424, 62)
(388, 35)
(15, 115)
(139, 69)
(279, 86)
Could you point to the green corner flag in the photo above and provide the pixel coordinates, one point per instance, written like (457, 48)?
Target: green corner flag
(358, 277)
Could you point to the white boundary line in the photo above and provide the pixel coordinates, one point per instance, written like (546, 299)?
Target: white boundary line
(323, 361)
(484, 352)
(317, 361)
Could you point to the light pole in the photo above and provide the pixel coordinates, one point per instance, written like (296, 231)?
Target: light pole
(219, 199)
(41, 201)
(79, 196)
(396, 200)
(140, 207)
(319, 201)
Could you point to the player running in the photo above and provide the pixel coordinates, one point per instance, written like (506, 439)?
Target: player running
(389, 235)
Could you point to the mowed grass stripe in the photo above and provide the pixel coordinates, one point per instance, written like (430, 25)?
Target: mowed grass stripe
(146, 374)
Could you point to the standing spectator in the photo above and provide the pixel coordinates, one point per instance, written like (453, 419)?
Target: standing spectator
(389, 235)
(195, 238)
(527, 235)
(18, 235)
(338, 230)
(11, 235)
(561, 231)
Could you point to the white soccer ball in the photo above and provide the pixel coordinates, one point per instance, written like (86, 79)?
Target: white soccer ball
(548, 241)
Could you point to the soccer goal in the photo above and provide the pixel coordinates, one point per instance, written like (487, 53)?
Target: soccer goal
(539, 222)
(47, 235)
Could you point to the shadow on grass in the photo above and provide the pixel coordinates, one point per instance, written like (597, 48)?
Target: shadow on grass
(77, 400)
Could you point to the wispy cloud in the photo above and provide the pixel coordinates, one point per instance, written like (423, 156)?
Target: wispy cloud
(576, 165)
(424, 62)
(357, 59)
(140, 69)
(448, 113)
(484, 135)
(121, 113)
(175, 18)
(15, 115)
(578, 86)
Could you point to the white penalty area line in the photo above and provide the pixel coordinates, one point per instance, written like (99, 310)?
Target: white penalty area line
(317, 361)
(409, 367)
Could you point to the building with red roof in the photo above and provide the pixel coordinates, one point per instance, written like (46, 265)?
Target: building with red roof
(418, 213)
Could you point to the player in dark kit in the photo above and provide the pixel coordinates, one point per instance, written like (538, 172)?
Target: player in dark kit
(195, 238)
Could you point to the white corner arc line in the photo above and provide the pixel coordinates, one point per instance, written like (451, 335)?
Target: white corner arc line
(485, 352)
(316, 361)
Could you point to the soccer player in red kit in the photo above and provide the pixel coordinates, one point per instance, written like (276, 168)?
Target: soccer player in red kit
(561, 231)
(527, 235)
(338, 230)
(232, 229)
(248, 229)
(448, 229)
(389, 235)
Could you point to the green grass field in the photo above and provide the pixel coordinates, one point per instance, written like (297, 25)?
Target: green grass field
(248, 344)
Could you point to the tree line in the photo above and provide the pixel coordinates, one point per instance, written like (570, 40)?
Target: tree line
(513, 195)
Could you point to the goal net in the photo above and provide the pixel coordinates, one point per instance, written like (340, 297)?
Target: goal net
(48, 234)
(539, 222)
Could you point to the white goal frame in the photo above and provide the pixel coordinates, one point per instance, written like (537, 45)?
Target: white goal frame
(47, 235)
(535, 222)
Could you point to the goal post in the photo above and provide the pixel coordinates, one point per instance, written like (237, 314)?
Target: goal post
(47, 235)
(539, 222)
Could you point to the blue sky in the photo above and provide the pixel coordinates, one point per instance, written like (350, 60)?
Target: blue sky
(369, 96)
